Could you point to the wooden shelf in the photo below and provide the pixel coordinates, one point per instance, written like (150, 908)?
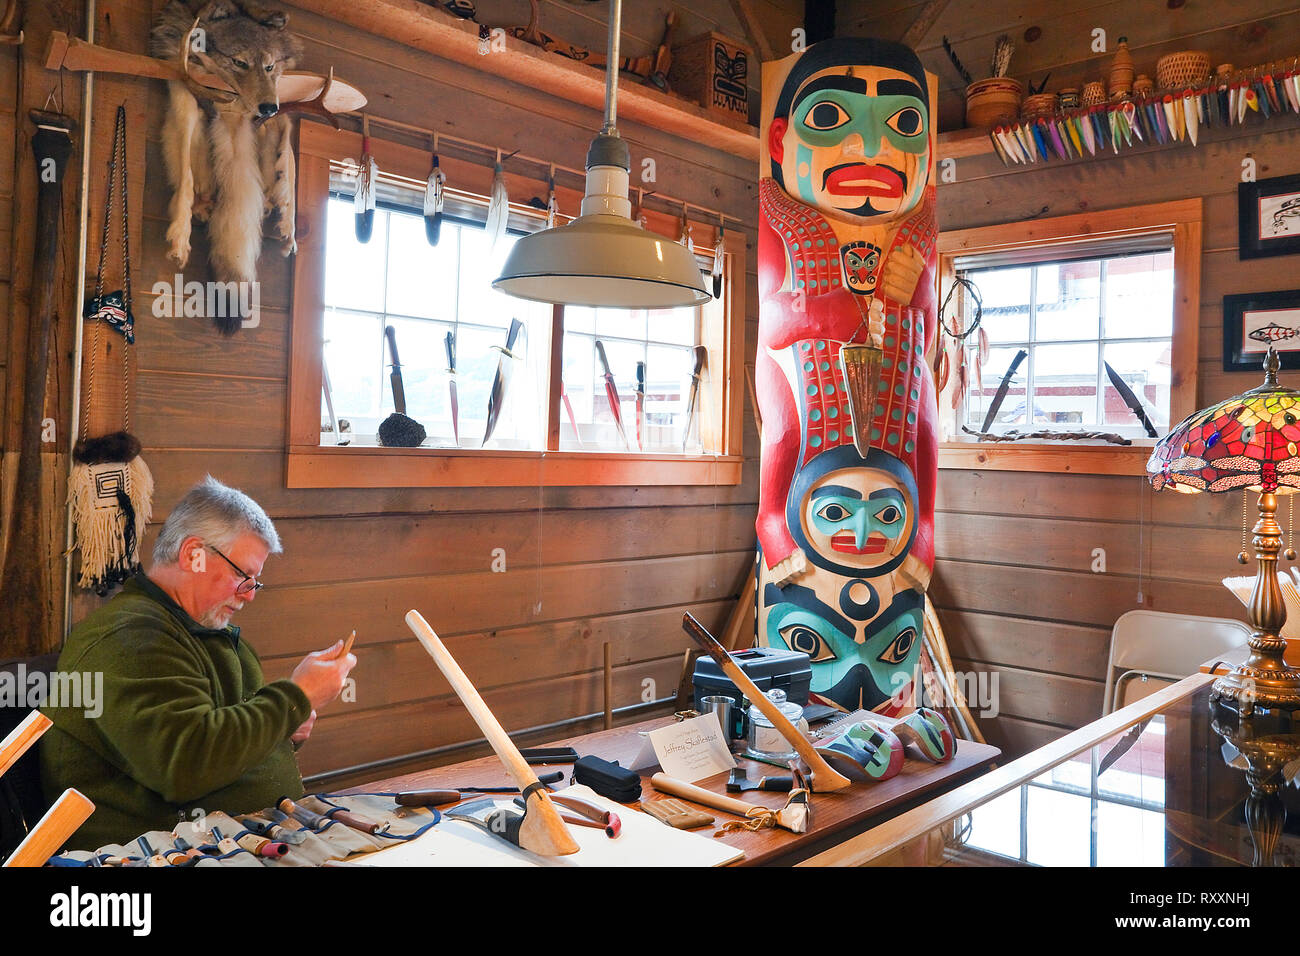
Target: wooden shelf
(431, 30)
(960, 143)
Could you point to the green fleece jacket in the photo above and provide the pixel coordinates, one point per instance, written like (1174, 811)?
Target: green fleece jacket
(188, 723)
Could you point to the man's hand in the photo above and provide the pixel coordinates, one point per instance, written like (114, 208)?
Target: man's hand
(300, 735)
(321, 674)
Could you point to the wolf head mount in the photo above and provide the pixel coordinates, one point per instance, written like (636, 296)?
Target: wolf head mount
(228, 155)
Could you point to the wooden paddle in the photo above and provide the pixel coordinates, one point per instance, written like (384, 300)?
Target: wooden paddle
(21, 738)
(68, 813)
(542, 831)
(824, 777)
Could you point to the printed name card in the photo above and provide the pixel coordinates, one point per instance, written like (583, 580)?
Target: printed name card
(692, 749)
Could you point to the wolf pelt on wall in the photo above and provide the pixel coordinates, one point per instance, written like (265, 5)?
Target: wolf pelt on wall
(229, 164)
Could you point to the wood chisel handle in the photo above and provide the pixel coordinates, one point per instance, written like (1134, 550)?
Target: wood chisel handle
(428, 798)
(680, 788)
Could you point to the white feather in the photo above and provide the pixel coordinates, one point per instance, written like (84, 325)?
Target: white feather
(498, 208)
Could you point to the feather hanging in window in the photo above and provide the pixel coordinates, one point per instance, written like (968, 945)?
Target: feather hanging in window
(552, 206)
(498, 206)
(638, 213)
(364, 201)
(433, 202)
(684, 233)
(719, 256)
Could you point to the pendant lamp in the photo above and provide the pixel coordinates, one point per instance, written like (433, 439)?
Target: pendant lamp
(603, 258)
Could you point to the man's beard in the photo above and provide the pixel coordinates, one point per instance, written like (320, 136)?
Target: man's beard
(216, 618)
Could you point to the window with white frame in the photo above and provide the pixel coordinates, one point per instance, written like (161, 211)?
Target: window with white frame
(1072, 311)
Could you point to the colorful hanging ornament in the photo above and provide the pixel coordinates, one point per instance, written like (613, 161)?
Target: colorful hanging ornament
(110, 490)
(363, 203)
(434, 199)
(498, 205)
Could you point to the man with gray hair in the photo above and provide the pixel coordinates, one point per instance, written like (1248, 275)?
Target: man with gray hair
(188, 723)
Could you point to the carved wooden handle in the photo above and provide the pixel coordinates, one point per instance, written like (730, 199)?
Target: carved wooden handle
(542, 831)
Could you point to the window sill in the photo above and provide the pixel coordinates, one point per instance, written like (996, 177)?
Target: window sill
(333, 467)
(1072, 457)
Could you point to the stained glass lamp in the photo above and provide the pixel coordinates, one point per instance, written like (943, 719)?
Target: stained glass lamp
(1249, 442)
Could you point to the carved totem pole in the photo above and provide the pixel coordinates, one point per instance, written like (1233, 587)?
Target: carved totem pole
(847, 282)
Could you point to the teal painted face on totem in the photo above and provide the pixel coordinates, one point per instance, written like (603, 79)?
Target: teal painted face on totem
(855, 663)
(841, 519)
(857, 142)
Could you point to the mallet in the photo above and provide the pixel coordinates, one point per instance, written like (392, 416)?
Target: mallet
(824, 778)
(542, 831)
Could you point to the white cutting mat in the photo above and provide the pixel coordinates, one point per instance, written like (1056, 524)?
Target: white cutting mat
(644, 841)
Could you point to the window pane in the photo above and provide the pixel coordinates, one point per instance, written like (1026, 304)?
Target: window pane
(481, 304)
(668, 377)
(667, 390)
(579, 318)
(421, 277)
(1140, 296)
(1068, 301)
(1145, 368)
(354, 347)
(995, 826)
(1129, 836)
(1058, 828)
(476, 365)
(1004, 294)
(421, 347)
(354, 271)
(1012, 411)
(624, 323)
(676, 326)
(1065, 384)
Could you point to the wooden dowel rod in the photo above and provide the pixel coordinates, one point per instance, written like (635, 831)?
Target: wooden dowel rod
(21, 738)
(609, 690)
(542, 831)
(69, 812)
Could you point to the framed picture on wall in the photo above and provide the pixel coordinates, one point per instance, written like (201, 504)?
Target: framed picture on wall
(1253, 322)
(1268, 217)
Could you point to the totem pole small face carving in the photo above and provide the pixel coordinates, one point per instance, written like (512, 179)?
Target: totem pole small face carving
(861, 263)
(855, 143)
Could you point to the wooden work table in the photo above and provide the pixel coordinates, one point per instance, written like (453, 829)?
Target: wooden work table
(836, 817)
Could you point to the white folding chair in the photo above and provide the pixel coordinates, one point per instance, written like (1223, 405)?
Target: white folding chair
(1152, 649)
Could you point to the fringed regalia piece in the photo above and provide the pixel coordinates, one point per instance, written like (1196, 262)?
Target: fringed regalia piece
(111, 489)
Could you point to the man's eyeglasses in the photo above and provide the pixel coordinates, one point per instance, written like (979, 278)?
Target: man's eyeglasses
(246, 586)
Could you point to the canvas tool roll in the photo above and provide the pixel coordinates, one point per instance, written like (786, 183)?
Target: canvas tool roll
(323, 841)
(111, 489)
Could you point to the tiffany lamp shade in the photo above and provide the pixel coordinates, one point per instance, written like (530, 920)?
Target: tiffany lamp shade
(1249, 442)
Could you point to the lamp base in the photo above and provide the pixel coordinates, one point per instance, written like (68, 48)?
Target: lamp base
(1248, 688)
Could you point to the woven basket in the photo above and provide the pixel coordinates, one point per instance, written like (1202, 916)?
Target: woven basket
(1040, 104)
(1093, 93)
(1177, 71)
(993, 102)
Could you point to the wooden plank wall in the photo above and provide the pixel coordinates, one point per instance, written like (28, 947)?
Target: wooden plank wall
(584, 566)
(1013, 581)
(26, 85)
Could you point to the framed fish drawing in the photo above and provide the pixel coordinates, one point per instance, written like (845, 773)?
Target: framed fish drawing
(1268, 217)
(1255, 321)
